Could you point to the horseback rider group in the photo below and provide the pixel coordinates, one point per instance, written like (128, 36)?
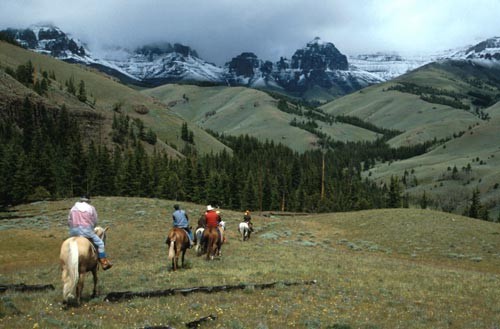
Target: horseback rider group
(82, 220)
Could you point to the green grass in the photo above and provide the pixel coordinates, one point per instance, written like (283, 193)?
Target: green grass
(238, 111)
(374, 269)
(420, 120)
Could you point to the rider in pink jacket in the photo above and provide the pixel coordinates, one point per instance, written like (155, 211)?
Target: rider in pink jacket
(82, 220)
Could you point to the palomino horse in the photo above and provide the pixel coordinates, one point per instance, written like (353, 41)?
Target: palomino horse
(178, 242)
(79, 256)
(212, 241)
(244, 230)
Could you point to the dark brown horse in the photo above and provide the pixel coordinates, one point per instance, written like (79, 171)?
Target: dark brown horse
(212, 242)
(79, 256)
(178, 242)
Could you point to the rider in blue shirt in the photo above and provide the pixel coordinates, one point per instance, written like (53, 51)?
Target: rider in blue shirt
(181, 220)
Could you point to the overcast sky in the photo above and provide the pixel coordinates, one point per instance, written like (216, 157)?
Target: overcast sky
(221, 29)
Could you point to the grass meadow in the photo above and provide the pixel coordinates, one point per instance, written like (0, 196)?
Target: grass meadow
(400, 268)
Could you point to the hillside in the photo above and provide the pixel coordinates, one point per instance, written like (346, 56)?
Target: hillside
(239, 110)
(476, 157)
(472, 140)
(373, 269)
(107, 94)
(447, 86)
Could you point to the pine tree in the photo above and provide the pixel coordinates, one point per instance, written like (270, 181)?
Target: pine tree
(82, 93)
(475, 204)
(394, 193)
(249, 194)
(424, 201)
(70, 86)
(184, 132)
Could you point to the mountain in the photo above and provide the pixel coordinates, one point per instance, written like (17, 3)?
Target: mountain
(107, 98)
(388, 66)
(319, 65)
(488, 50)
(319, 71)
(156, 64)
(50, 40)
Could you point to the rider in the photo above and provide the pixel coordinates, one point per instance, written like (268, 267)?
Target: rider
(212, 219)
(181, 220)
(247, 219)
(82, 220)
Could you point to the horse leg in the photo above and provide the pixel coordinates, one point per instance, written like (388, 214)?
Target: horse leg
(209, 248)
(183, 253)
(79, 288)
(94, 274)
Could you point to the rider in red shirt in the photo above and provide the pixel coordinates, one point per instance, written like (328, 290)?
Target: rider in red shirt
(211, 217)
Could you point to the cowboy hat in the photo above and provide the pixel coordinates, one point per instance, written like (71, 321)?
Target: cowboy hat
(209, 207)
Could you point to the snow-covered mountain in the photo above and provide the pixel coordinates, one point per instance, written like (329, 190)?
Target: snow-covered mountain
(485, 50)
(156, 63)
(319, 65)
(391, 65)
(162, 63)
(388, 65)
(50, 40)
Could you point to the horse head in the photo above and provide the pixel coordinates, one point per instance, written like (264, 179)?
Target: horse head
(101, 232)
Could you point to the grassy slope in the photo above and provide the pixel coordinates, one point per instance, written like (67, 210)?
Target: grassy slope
(401, 268)
(241, 110)
(107, 93)
(421, 121)
(431, 169)
(424, 121)
(407, 112)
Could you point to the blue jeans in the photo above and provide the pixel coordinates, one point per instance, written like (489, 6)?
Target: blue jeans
(89, 233)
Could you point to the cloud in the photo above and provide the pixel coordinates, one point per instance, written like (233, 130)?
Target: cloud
(221, 29)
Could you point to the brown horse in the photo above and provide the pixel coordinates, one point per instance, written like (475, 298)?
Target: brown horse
(79, 256)
(212, 242)
(178, 242)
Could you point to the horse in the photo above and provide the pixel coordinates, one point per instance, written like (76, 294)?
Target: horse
(198, 236)
(78, 256)
(212, 242)
(178, 242)
(244, 230)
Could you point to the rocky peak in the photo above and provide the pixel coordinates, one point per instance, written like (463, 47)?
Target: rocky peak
(244, 64)
(488, 49)
(319, 55)
(48, 39)
(154, 50)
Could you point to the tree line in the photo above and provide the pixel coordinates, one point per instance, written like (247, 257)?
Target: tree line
(43, 155)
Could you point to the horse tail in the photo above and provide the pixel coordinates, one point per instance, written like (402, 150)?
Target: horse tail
(171, 249)
(70, 269)
(242, 230)
(212, 240)
(198, 236)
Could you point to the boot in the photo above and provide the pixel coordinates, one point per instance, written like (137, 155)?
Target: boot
(105, 263)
